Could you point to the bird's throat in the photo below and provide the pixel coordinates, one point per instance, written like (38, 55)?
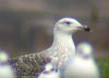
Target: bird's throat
(63, 44)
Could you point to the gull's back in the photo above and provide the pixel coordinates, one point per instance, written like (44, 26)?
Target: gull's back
(29, 65)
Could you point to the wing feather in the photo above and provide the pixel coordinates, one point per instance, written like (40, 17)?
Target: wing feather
(30, 64)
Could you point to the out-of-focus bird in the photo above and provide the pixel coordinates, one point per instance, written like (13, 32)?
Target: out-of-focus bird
(60, 51)
(6, 70)
(50, 72)
(83, 64)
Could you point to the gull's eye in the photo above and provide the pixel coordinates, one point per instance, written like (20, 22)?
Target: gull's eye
(68, 23)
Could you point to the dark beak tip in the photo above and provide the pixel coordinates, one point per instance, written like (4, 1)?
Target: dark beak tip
(87, 29)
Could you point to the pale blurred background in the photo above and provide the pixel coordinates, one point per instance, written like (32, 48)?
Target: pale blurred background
(26, 25)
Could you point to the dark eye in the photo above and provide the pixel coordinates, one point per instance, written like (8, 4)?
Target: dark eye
(67, 23)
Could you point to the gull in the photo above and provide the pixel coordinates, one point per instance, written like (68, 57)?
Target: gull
(83, 65)
(58, 53)
(6, 70)
(50, 72)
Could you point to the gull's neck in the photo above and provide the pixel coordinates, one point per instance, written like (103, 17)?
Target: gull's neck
(63, 41)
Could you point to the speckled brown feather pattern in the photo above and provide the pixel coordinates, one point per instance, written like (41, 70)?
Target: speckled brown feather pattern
(29, 65)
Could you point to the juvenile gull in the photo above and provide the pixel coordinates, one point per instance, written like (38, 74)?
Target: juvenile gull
(83, 64)
(49, 72)
(6, 70)
(60, 51)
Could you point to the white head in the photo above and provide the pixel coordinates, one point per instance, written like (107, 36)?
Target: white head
(70, 25)
(3, 57)
(85, 50)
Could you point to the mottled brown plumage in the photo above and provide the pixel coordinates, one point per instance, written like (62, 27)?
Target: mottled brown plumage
(30, 64)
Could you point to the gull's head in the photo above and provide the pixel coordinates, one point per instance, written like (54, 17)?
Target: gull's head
(70, 25)
(85, 50)
(49, 68)
(3, 57)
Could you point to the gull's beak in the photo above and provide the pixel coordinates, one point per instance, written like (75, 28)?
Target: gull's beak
(85, 28)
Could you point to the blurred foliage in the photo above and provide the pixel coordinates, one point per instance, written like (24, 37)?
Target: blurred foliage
(94, 16)
(104, 67)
